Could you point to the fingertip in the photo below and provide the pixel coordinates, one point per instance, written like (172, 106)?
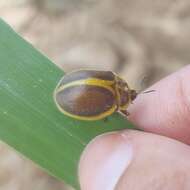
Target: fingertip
(165, 111)
(104, 161)
(113, 161)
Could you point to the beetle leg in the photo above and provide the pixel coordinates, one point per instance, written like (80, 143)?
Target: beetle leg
(125, 112)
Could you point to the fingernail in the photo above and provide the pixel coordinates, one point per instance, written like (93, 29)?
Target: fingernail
(112, 155)
(114, 166)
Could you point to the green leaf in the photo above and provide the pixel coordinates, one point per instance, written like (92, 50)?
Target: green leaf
(29, 119)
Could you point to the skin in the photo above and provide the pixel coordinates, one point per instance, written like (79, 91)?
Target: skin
(157, 158)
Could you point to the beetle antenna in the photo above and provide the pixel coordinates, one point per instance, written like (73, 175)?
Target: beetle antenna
(148, 91)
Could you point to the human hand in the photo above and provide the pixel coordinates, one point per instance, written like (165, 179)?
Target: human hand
(136, 160)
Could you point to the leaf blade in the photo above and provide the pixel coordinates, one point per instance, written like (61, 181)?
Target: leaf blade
(30, 121)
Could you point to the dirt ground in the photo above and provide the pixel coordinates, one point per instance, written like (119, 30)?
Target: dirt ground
(142, 40)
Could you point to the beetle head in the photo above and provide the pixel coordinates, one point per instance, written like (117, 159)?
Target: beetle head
(125, 94)
(133, 94)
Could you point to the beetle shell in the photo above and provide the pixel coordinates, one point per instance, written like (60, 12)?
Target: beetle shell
(91, 95)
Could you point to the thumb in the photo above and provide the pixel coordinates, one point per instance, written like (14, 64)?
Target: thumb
(135, 160)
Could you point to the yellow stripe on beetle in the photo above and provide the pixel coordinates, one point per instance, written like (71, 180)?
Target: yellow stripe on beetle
(91, 81)
(92, 95)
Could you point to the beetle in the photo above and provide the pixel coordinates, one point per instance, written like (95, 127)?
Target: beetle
(92, 94)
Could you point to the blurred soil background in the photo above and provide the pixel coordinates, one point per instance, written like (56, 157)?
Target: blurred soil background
(141, 40)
